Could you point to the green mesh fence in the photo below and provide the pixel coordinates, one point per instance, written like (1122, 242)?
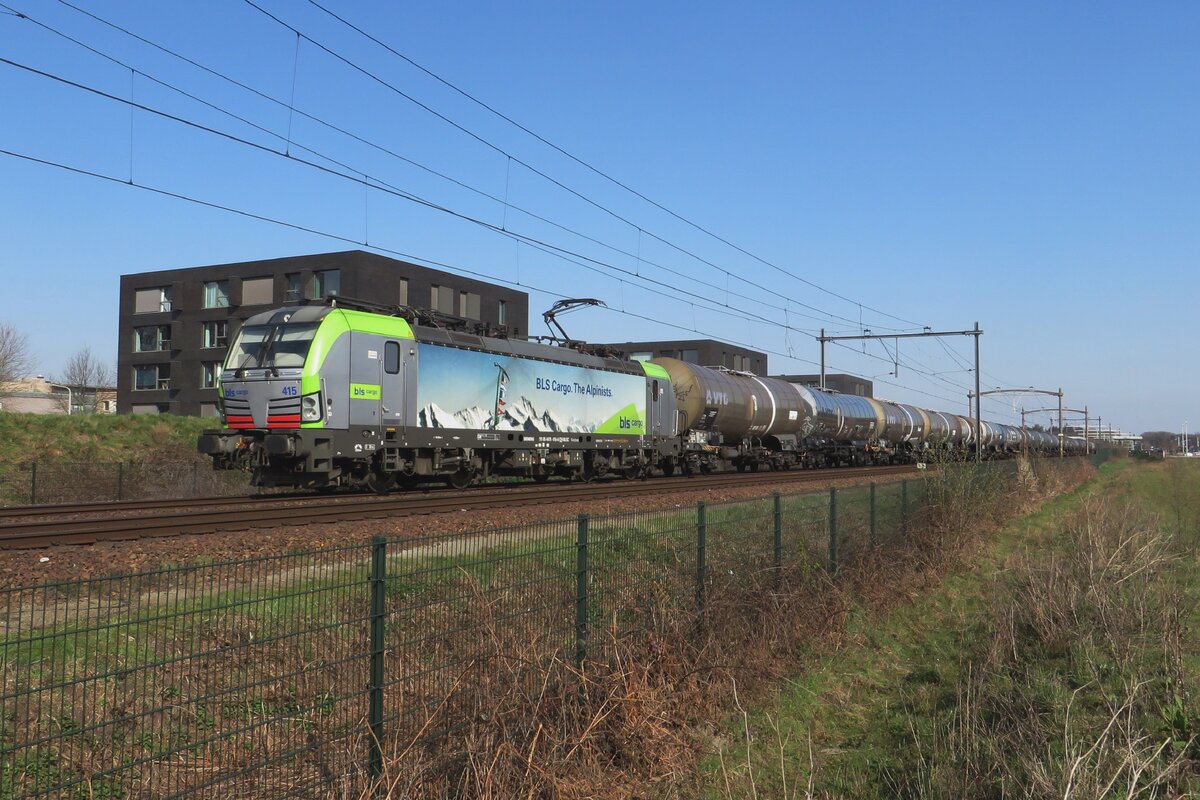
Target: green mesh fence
(297, 675)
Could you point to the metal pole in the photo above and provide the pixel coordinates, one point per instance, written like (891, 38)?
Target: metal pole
(904, 509)
(822, 358)
(701, 570)
(1024, 436)
(833, 531)
(1087, 449)
(375, 689)
(33, 483)
(581, 592)
(978, 425)
(1061, 436)
(778, 532)
(872, 514)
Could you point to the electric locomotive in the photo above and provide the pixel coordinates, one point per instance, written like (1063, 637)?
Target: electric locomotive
(351, 394)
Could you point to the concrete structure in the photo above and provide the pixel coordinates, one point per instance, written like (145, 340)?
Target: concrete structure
(176, 324)
(39, 396)
(846, 384)
(705, 352)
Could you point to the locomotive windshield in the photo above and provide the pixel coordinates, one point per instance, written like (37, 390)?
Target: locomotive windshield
(271, 346)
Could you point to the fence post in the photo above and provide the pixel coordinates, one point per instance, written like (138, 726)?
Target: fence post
(904, 509)
(833, 531)
(872, 514)
(378, 585)
(701, 569)
(120, 480)
(581, 591)
(778, 533)
(194, 465)
(33, 483)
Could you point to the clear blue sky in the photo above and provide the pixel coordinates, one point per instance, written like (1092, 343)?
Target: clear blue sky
(1030, 166)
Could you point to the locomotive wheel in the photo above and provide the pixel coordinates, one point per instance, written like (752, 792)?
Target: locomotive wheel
(461, 479)
(668, 470)
(380, 482)
(541, 477)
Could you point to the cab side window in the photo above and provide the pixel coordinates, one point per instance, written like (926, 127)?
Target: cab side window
(391, 358)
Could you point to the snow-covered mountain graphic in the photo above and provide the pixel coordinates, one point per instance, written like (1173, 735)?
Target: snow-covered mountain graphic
(519, 415)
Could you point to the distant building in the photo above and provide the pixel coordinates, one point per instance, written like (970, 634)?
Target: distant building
(705, 352)
(175, 324)
(846, 384)
(39, 396)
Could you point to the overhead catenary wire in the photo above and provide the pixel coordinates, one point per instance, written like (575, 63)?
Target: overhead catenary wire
(383, 187)
(392, 251)
(289, 142)
(375, 183)
(531, 241)
(574, 257)
(544, 175)
(599, 171)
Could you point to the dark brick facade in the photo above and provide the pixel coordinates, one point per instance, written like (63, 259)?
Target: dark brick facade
(360, 275)
(705, 352)
(846, 384)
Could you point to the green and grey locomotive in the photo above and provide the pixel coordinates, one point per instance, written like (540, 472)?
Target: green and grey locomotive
(319, 396)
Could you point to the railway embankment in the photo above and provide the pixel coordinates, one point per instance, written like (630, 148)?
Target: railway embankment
(59, 458)
(1060, 660)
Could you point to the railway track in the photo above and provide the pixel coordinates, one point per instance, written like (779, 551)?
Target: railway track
(81, 524)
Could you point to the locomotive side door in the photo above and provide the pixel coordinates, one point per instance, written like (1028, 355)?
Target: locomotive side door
(391, 382)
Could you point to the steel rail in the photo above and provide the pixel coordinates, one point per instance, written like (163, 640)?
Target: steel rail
(235, 517)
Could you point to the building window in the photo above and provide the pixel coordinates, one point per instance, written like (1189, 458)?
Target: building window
(216, 333)
(328, 283)
(216, 294)
(442, 299)
(468, 305)
(295, 289)
(403, 296)
(501, 313)
(210, 375)
(668, 354)
(151, 338)
(152, 376)
(641, 355)
(152, 301)
(689, 356)
(258, 291)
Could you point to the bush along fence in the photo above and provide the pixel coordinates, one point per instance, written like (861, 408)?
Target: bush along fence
(44, 482)
(321, 673)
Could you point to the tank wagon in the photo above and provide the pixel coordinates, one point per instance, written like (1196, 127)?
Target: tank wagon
(348, 394)
(322, 396)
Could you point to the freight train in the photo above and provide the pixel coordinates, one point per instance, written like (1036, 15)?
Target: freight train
(347, 394)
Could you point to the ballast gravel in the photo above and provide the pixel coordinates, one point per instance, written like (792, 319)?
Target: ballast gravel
(22, 568)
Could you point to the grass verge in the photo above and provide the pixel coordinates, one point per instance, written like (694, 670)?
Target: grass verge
(1062, 663)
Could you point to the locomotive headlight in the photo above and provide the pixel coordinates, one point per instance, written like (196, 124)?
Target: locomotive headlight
(310, 407)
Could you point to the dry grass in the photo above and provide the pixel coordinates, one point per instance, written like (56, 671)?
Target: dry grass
(502, 709)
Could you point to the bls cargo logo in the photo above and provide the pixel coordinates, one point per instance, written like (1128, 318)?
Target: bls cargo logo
(628, 424)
